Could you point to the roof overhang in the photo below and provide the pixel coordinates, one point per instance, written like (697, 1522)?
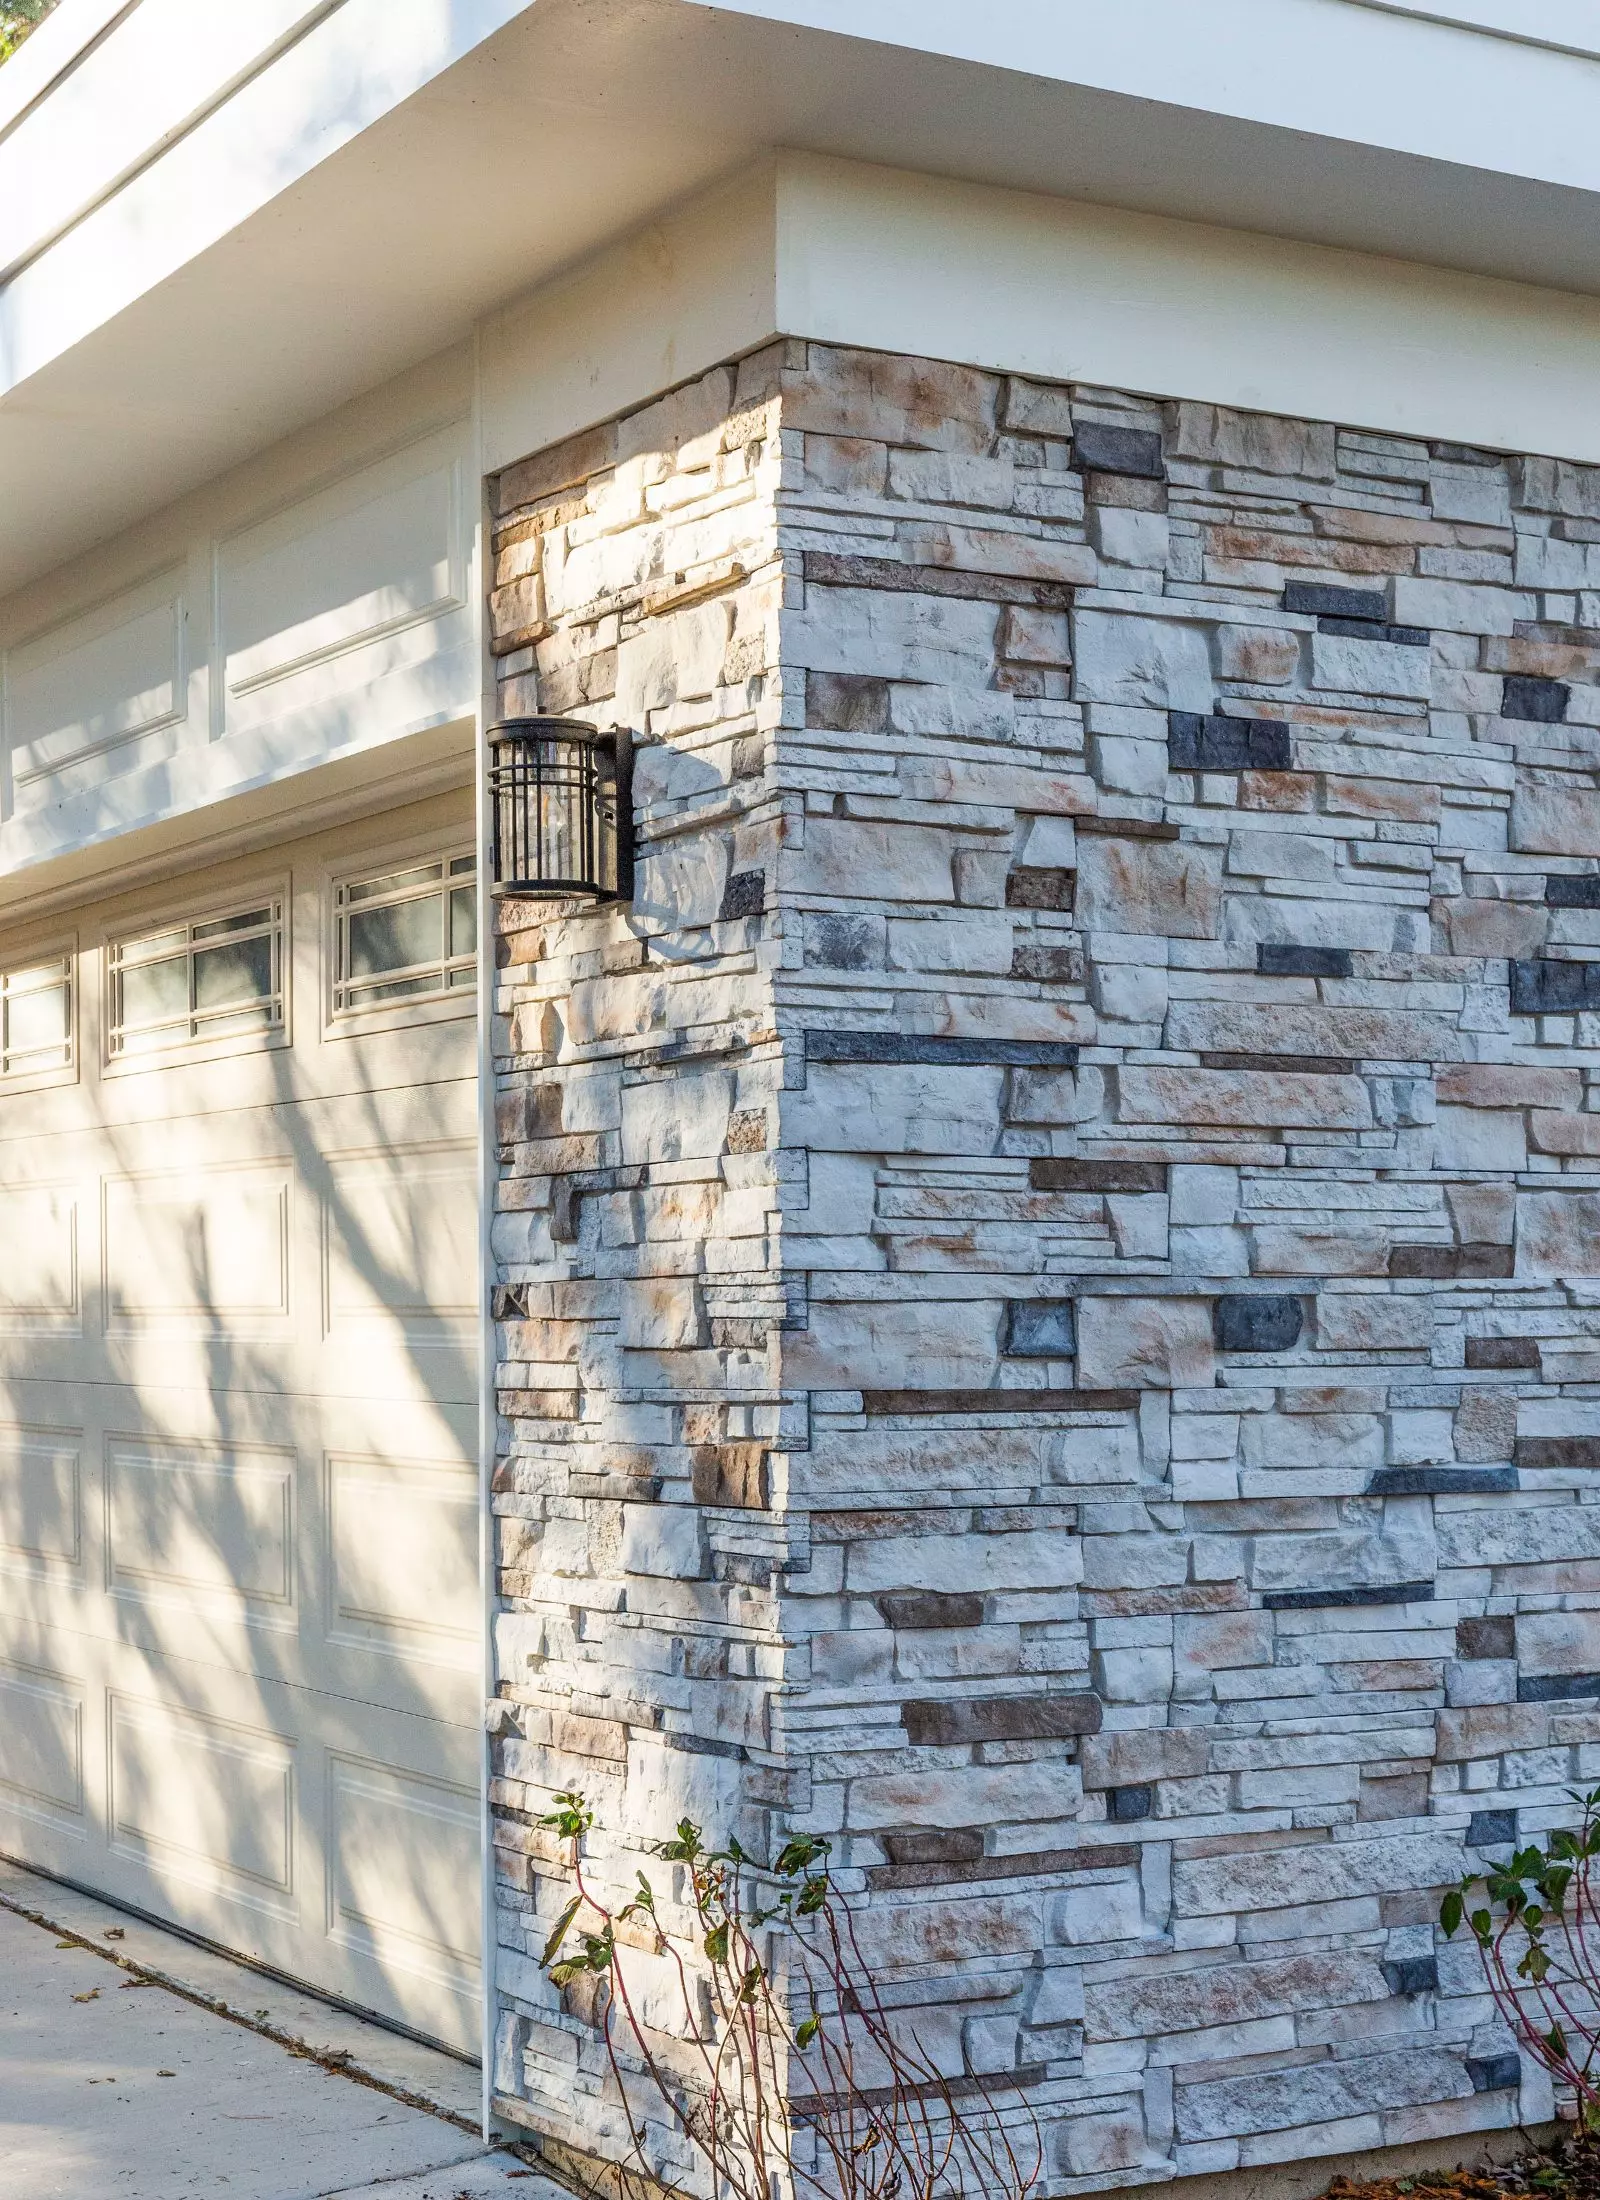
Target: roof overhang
(339, 188)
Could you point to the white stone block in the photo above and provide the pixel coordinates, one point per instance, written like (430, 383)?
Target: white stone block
(1126, 657)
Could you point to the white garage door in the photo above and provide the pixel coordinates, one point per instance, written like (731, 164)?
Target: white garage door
(239, 1611)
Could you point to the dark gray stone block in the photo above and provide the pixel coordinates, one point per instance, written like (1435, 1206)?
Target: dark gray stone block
(1541, 702)
(745, 895)
(1257, 1321)
(895, 1046)
(1412, 1975)
(847, 702)
(1222, 744)
(1321, 602)
(1280, 960)
(1040, 886)
(1545, 987)
(1557, 1687)
(1125, 1804)
(1494, 2073)
(1440, 1481)
(1100, 448)
(1039, 1329)
(1502, 1353)
(1567, 890)
(1378, 630)
(924, 1608)
(1313, 1600)
(1491, 1829)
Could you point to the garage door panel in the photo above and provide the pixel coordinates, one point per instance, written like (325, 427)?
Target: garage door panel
(199, 1799)
(202, 1527)
(41, 1271)
(403, 1885)
(401, 1244)
(41, 1501)
(402, 1559)
(209, 1248)
(42, 1714)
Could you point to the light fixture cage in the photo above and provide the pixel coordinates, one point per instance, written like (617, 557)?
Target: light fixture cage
(560, 810)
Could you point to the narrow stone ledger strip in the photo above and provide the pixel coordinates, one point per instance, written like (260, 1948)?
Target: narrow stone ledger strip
(1312, 1600)
(938, 1051)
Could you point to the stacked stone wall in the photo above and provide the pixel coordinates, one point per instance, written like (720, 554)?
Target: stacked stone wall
(1050, 1283)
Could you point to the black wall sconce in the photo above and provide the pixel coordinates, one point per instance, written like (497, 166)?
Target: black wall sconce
(561, 810)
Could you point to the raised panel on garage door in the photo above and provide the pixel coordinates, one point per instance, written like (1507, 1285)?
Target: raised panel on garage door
(240, 1614)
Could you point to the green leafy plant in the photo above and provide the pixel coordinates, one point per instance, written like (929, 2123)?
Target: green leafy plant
(798, 2079)
(1537, 1927)
(17, 19)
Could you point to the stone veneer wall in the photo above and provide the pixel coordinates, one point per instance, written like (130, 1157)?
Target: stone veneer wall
(1051, 1327)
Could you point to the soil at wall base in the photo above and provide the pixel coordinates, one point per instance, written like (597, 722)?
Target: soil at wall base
(1569, 2170)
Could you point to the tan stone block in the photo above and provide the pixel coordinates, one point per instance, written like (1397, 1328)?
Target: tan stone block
(1558, 1642)
(1158, 887)
(1146, 1753)
(1038, 408)
(1257, 442)
(1286, 791)
(660, 1314)
(1349, 1321)
(1030, 637)
(1282, 1252)
(557, 468)
(1411, 802)
(1260, 547)
(1265, 656)
(1355, 1034)
(887, 397)
(847, 465)
(1486, 1427)
(1569, 1133)
(1482, 1214)
(1489, 1730)
(1559, 821)
(1475, 925)
(1403, 1797)
(1158, 1344)
(1354, 525)
(1558, 1234)
(1508, 1085)
(1519, 653)
(1221, 1642)
(1274, 1100)
(853, 857)
(1003, 552)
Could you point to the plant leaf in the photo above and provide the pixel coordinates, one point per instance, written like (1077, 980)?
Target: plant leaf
(559, 1933)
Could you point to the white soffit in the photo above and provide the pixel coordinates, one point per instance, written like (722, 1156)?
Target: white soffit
(394, 170)
(1070, 291)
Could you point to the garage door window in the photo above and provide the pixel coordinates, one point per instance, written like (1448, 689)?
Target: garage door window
(216, 977)
(36, 1018)
(406, 935)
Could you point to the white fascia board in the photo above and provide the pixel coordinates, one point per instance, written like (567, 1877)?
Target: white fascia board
(1020, 283)
(355, 66)
(1412, 80)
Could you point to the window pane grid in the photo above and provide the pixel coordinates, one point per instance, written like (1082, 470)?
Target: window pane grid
(36, 1017)
(211, 978)
(405, 935)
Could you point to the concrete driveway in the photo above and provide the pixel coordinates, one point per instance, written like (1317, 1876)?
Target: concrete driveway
(117, 2082)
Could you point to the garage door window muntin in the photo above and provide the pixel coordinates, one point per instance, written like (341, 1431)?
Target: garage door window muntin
(212, 977)
(38, 1019)
(405, 934)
